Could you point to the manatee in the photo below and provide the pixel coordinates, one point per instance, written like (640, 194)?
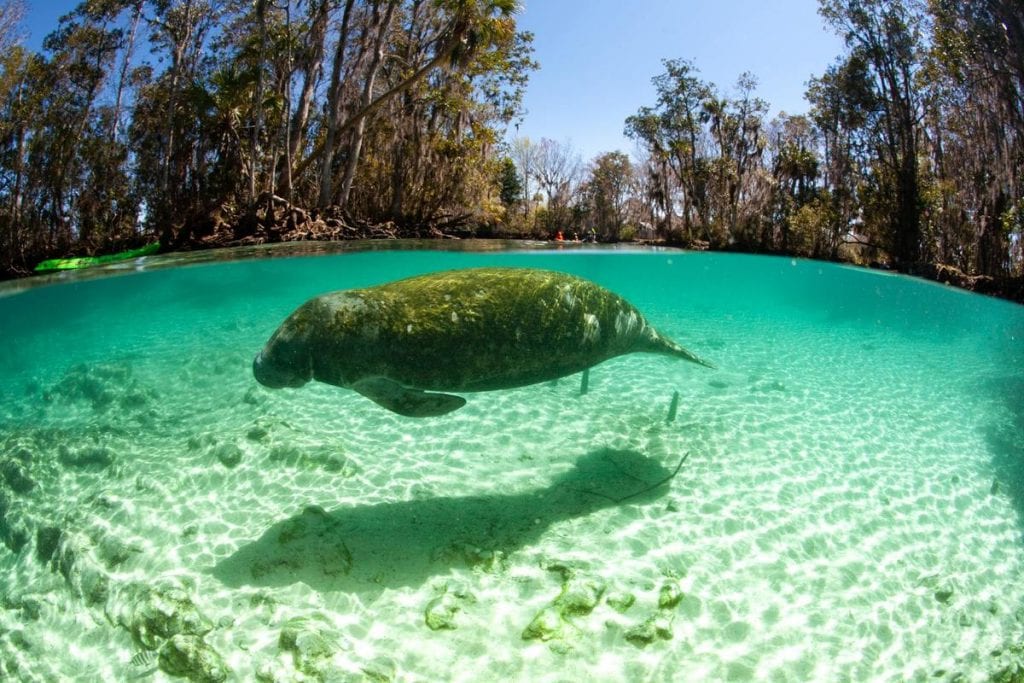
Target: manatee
(405, 344)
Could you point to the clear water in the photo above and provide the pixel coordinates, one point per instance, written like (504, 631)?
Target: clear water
(852, 506)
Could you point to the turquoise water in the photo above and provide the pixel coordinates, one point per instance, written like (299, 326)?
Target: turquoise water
(849, 508)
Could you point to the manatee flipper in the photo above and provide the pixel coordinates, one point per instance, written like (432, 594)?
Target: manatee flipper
(405, 401)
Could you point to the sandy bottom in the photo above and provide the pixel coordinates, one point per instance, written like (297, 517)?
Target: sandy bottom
(835, 502)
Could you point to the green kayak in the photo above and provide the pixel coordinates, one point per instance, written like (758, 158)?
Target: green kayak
(87, 261)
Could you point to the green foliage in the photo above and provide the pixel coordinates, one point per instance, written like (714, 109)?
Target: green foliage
(510, 183)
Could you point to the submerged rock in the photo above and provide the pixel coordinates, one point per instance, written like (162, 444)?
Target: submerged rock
(153, 614)
(228, 454)
(14, 529)
(670, 595)
(30, 606)
(114, 552)
(579, 596)
(380, 671)
(257, 433)
(191, 657)
(198, 441)
(15, 476)
(85, 457)
(312, 642)
(620, 601)
(47, 538)
(322, 458)
(545, 626)
(74, 559)
(253, 397)
(483, 559)
(441, 611)
(650, 630)
(101, 386)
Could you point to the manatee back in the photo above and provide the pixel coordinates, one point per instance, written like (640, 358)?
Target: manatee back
(478, 329)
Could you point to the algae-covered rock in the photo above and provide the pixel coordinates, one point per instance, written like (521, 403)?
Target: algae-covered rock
(441, 611)
(228, 454)
(311, 641)
(619, 600)
(545, 626)
(650, 630)
(47, 538)
(15, 475)
(670, 595)
(191, 657)
(253, 397)
(85, 457)
(201, 441)
(258, 433)
(314, 458)
(29, 606)
(155, 613)
(102, 387)
(379, 671)
(114, 552)
(579, 596)
(14, 527)
(564, 568)
(482, 559)
(74, 559)
(269, 672)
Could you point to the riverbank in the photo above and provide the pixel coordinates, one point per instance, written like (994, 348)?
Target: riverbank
(277, 221)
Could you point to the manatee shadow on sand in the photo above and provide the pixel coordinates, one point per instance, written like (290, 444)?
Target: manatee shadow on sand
(368, 548)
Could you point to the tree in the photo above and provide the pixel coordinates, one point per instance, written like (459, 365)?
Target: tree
(510, 183)
(882, 67)
(976, 113)
(525, 155)
(12, 12)
(558, 173)
(608, 191)
(675, 139)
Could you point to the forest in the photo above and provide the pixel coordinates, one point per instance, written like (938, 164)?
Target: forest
(230, 122)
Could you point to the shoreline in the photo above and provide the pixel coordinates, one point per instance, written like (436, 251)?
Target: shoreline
(342, 236)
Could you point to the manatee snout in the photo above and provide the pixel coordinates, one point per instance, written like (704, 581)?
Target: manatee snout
(273, 374)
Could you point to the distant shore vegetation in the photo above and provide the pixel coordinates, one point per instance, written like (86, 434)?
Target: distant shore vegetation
(221, 122)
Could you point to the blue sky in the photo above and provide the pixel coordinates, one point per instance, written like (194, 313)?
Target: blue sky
(598, 57)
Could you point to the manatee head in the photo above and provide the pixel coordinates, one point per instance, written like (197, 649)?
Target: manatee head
(286, 360)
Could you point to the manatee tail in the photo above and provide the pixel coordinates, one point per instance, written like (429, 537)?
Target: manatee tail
(652, 342)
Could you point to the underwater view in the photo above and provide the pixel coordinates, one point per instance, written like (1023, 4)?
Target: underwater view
(840, 497)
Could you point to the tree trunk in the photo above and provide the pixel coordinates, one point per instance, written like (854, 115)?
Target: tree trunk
(360, 127)
(128, 52)
(317, 35)
(444, 54)
(333, 115)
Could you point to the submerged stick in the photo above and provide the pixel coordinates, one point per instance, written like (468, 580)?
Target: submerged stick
(585, 382)
(673, 407)
(663, 480)
(648, 489)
